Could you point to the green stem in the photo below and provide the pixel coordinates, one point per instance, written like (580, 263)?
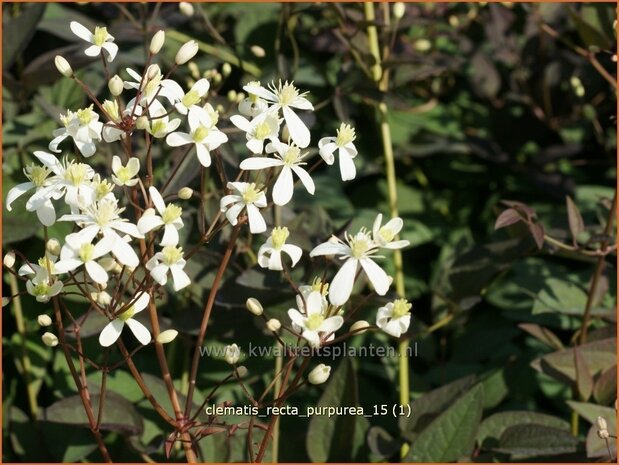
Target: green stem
(382, 80)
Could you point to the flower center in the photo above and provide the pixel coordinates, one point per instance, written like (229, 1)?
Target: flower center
(100, 36)
(66, 119)
(345, 135)
(86, 252)
(314, 321)
(321, 287)
(43, 262)
(401, 308)
(76, 173)
(287, 94)
(360, 245)
(263, 130)
(41, 288)
(251, 194)
(102, 187)
(171, 213)
(105, 212)
(279, 236)
(158, 127)
(171, 254)
(292, 155)
(85, 115)
(386, 234)
(200, 133)
(127, 314)
(111, 108)
(191, 98)
(36, 174)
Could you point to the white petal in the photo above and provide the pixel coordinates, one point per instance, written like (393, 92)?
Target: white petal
(377, 276)
(139, 331)
(124, 253)
(201, 87)
(294, 252)
(313, 303)
(255, 145)
(128, 228)
(155, 196)
(261, 92)
(296, 317)
(233, 213)
(240, 122)
(179, 277)
(170, 235)
(341, 286)
(275, 261)
(160, 274)
(141, 302)
(297, 129)
(397, 245)
(204, 157)
(93, 51)
(111, 332)
(284, 187)
(66, 265)
(259, 163)
(46, 213)
(96, 272)
(326, 148)
(53, 145)
(111, 49)
(330, 248)
(81, 31)
(330, 325)
(376, 225)
(305, 178)
(302, 104)
(149, 222)
(17, 192)
(257, 224)
(176, 139)
(347, 166)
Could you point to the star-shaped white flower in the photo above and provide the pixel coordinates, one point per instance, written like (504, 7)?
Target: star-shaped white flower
(289, 157)
(270, 253)
(314, 323)
(191, 99)
(202, 133)
(83, 126)
(169, 260)
(261, 129)
(287, 98)
(358, 250)
(42, 287)
(346, 150)
(160, 124)
(384, 235)
(77, 252)
(252, 105)
(394, 318)
(37, 179)
(125, 175)
(100, 40)
(114, 328)
(249, 198)
(169, 217)
(153, 85)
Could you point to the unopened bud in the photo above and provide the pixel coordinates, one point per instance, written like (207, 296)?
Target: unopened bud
(319, 374)
(193, 69)
(44, 320)
(49, 339)
(157, 42)
(102, 298)
(167, 336)
(186, 8)
(186, 52)
(258, 51)
(142, 123)
(241, 371)
(254, 306)
(274, 325)
(226, 69)
(232, 354)
(52, 246)
(5, 301)
(603, 434)
(398, 10)
(360, 327)
(63, 66)
(601, 422)
(185, 193)
(116, 85)
(153, 71)
(232, 95)
(9, 259)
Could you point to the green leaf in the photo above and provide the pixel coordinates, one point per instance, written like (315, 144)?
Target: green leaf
(590, 35)
(562, 296)
(542, 334)
(452, 434)
(605, 388)
(19, 28)
(596, 447)
(584, 380)
(577, 225)
(524, 441)
(590, 412)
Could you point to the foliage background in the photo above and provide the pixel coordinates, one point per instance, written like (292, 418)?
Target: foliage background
(484, 106)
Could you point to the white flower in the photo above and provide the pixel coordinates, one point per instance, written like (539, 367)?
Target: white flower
(104, 217)
(343, 143)
(37, 176)
(44, 263)
(100, 40)
(83, 126)
(111, 131)
(394, 318)
(153, 84)
(125, 175)
(202, 133)
(290, 159)
(270, 253)
(252, 105)
(232, 353)
(250, 198)
(286, 96)
(169, 217)
(315, 323)
(160, 123)
(383, 236)
(191, 99)
(42, 287)
(262, 128)
(102, 188)
(170, 259)
(320, 374)
(112, 330)
(77, 252)
(358, 250)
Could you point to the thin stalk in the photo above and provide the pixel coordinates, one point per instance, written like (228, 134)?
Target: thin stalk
(382, 80)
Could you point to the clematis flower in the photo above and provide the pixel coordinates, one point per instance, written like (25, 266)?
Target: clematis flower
(314, 323)
(169, 260)
(42, 287)
(394, 318)
(286, 97)
(202, 133)
(169, 217)
(37, 179)
(250, 198)
(188, 101)
(261, 129)
(45, 263)
(102, 188)
(343, 143)
(252, 105)
(111, 131)
(100, 40)
(125, 175)
(290, 159)
(383, 236)
(270, 253)
(77, 252)
(358, 250)
(114, 328)
(153, 85)
(83, 126)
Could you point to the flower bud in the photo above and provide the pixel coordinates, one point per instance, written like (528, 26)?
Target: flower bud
(241, 371)
(398, 10)
(44, 320)
(5, 301)
(49, 339)
(142, 123)
(185, 193)
(226, 69)
(601, 422)
(153, 71)
(360, 327)
(9, 259)
(116, 85)
(232, 354)
(52, 246)
(603, 434)
(232, 95)
(157, 42)
(254, 306)
(273, 325)
(319, 374)
(193, 70)
(186, 52)
(63, 66)
(102, 298)
(258, 51)
(167, 336)
(186, 9)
